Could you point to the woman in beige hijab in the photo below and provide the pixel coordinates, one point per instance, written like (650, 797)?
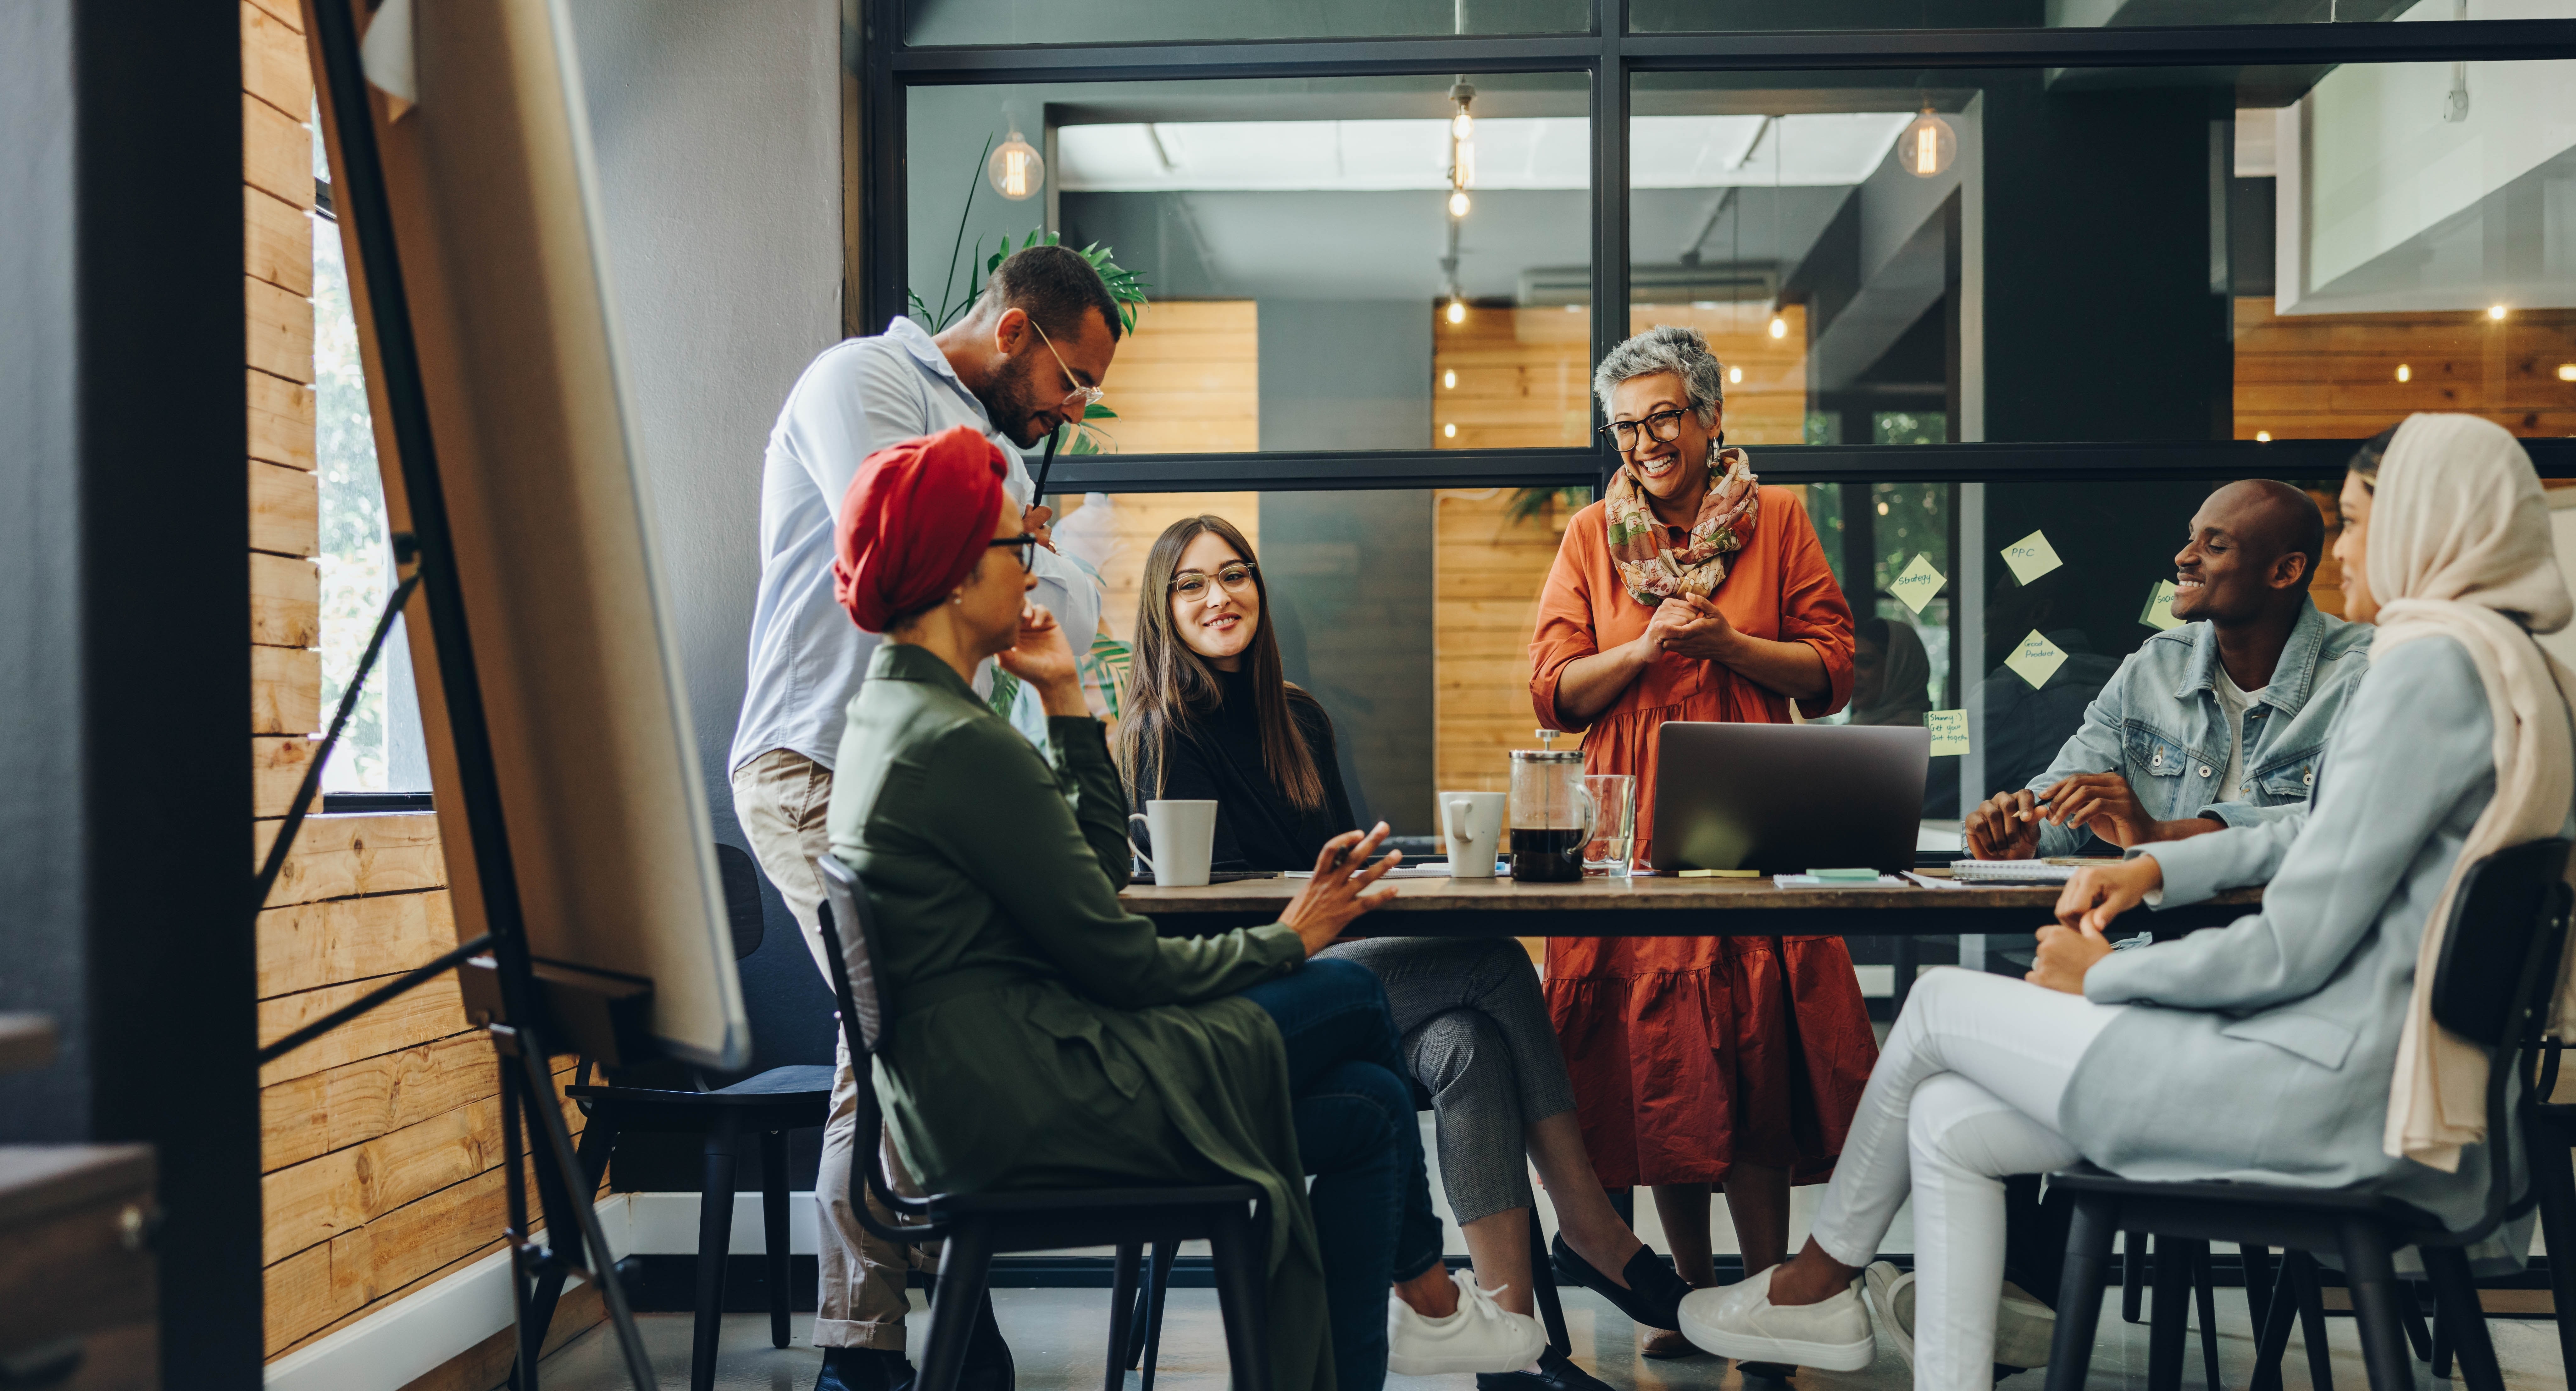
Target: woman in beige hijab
(2293, 1046)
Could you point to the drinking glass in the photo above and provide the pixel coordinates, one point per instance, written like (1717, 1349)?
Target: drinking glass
(1614, 824)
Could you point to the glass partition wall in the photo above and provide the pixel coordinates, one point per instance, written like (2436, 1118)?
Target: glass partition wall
(2005, 302)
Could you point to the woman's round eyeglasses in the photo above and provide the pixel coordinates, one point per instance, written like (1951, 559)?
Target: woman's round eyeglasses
(1027, 542)
(1663, 427)
(1192, 586)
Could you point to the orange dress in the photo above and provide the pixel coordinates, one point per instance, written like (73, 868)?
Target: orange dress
(1690, 1052)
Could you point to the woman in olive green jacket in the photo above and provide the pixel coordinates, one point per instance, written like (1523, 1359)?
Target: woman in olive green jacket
(1042, 1036)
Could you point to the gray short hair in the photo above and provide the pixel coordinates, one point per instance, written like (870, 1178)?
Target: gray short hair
(1684, 352)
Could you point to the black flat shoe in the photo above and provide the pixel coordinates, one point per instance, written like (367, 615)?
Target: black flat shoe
(864, 1369)
(1654, 1293)
(1766, 1371)
(1556, 1372)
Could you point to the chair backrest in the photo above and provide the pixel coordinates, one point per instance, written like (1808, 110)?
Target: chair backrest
(850, 928)
(742, 898)
(2506, 910)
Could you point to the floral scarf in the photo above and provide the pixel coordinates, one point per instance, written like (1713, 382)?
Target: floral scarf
(1650, 570)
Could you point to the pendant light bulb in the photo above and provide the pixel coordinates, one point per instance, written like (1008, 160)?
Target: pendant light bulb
(1457, 311)
(1928, 147)
(1016, 171)
(1779, 326)
(1458, 204)
(1462, 125)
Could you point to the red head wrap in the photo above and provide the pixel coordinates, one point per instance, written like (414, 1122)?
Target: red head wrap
(915, 523)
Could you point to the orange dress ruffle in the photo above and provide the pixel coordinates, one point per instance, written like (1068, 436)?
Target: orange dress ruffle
(1688, 1052)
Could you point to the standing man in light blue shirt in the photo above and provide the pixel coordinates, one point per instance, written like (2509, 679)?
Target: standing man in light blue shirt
(1027, 359)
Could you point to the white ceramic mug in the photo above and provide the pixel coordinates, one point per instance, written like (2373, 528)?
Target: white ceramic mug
(1473, 824)
(1182, 833)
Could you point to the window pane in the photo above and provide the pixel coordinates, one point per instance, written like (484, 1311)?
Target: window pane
(939, 22)
(2148, 254)
(1682, 16)
(1295, 239)
(1407, 614)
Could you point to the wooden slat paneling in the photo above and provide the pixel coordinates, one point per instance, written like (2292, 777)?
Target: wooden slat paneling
(307, 946)
(274, 66)
(281, 421)
(278, 331)
(432, 1010)
(277, 765)
(1188, 380)
(285, 510)
(277, 152)
(292, 16)
(356, 1102)
(343, 856)
(2334, 376)
(285, 601)
(277, 242)
(285, 690)
(324, 1198)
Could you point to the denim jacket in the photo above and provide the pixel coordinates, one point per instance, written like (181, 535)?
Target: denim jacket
(2158, 723)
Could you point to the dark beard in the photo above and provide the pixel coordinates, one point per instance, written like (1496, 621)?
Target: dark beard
(1012, 400)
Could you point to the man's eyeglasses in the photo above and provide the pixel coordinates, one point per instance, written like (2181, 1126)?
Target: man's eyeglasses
(1663, 427)
(1192, 586)
(1027, 543)
(1089, 396)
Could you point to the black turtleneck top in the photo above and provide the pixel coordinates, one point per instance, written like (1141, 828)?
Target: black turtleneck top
(1216, 756)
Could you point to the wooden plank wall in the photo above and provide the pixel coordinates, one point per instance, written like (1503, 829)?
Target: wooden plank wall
(380, 1142)
(2334, 376)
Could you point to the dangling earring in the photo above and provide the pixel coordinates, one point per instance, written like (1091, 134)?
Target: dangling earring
(957, 598)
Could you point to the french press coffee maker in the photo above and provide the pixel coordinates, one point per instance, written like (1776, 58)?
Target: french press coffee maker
(1551, 813)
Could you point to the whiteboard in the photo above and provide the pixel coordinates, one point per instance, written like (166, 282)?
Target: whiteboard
(496, 225)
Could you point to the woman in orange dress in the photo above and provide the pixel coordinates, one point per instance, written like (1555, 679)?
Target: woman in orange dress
(1690, 592)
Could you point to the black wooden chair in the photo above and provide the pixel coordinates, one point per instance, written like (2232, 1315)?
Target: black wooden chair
(768, 1105)
(975, 1227)
(2499, 964)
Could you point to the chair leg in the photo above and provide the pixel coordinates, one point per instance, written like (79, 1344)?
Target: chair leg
(2079, 1294)
(2257, 1261)
(2553, 1172)
(1551, 1310)
(965, 1263)
(2455, 1294)
(1236, 1250)
(715, 1246)
(2280, 1312)
(2165, 1321)
(1122, 1312)
(2205, 1292)
(2433, 1347)
(2312, 1323)
(773, 1225)
(2133, 1275)
(2373, 1282)
(1158, 1284)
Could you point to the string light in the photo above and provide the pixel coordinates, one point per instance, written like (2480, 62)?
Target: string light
(2567, 371)
(1449, 379)
(2262, 437)
(1015, 169)
(2404, 372)
(1449, 432)
(1457, 311)
(1779, 326)
(1458, 203)
(1462, 149)
(1734, 376)
(2495, 311)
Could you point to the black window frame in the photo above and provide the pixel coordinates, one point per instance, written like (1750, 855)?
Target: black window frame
(1609, 53)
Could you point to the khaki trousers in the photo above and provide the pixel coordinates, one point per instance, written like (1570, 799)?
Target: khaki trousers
(781, 798)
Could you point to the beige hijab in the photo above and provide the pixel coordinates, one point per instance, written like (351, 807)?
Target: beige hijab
(2460, 548)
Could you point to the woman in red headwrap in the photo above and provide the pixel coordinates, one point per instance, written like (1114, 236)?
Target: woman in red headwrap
(1044, 1036)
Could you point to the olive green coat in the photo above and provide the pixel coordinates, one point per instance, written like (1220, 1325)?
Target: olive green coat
(1042, 1036)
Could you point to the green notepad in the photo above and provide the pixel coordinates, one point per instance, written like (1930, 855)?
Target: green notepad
(1855, 876)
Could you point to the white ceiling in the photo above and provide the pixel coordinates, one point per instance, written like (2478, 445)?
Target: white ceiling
(1510, 153)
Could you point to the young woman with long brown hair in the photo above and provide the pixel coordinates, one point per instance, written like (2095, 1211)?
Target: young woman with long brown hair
(1211, 716)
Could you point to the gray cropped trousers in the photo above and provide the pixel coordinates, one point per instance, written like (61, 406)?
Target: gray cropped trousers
(1476, 1034)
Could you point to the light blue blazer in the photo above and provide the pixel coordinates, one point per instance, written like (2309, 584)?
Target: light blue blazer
(2262, 1051)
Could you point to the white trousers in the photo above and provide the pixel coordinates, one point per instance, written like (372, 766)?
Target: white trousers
(1965, 1092)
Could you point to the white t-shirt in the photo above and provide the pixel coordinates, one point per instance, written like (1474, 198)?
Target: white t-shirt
(2235, 703)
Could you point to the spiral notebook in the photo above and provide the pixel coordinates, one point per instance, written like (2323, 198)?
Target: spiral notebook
(2051, 871)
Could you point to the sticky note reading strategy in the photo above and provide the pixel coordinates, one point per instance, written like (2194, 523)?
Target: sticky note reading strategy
(2031, 557)
(1949, 731)
(2036, 659)
(2159, 611)
(1916, 586)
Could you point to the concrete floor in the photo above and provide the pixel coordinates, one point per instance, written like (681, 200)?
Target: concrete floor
(1057, 1337)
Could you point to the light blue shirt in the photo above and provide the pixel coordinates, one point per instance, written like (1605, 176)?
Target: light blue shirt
(807, 657)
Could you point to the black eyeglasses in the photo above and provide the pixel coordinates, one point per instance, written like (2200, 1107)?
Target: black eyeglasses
(1027, 542)
(1663, 427)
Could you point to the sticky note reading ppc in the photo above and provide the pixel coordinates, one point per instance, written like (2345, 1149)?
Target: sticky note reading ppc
(1949, 731)
(2036, 659)
(2031, 557)
(2159, 611)
(1916, 586)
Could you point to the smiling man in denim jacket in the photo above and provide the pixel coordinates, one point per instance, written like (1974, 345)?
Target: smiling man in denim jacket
(2219, 722)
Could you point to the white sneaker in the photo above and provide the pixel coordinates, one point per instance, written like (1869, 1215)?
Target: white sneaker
(1741, 1322)
(1481, 1337)
(2024, 1327)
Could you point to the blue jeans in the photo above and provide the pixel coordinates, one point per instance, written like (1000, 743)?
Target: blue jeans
(1357, 1134)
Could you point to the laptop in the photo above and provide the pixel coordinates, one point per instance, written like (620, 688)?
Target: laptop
(1786, 798)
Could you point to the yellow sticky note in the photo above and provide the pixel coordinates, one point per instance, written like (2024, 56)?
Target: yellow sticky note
(2159, 611)
(2031, 557)
(1949, 731)
(1916, 586)
(2036, 659)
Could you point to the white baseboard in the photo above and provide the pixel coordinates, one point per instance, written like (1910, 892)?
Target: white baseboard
(666, 1224)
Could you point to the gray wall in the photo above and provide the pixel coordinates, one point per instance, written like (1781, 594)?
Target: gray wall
(718, 139)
